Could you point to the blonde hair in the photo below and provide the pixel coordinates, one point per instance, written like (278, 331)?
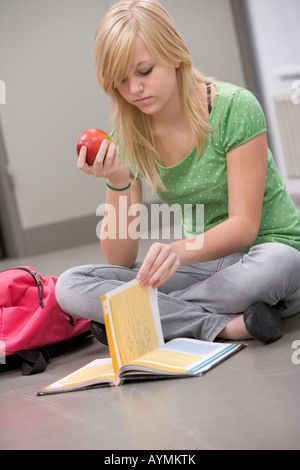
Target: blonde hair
(114, 47)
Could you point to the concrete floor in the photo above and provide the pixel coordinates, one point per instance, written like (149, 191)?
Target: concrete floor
(251, 401)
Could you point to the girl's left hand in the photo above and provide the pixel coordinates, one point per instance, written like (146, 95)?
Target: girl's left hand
(161, 262)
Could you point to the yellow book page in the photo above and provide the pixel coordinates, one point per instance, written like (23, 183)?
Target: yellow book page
(92, 371)
(165, 359)
(133, 322)
(114, 353)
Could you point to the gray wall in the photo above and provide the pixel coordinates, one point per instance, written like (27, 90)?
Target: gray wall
(46, 62)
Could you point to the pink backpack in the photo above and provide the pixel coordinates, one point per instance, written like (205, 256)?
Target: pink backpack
(30, 318)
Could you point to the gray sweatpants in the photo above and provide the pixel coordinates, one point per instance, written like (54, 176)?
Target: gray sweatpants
(199, 300)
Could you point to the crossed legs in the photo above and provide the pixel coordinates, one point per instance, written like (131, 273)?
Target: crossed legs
(232, 297)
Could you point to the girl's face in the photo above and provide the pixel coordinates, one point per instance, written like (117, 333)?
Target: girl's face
(149, 86)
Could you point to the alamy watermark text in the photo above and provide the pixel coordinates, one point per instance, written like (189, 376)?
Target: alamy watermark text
(157, 221)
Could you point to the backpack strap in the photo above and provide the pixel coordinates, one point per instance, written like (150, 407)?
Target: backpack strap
(34, 362)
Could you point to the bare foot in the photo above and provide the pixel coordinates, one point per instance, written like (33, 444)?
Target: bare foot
(235, 330)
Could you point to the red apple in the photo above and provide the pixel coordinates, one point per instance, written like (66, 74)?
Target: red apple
(91, 139)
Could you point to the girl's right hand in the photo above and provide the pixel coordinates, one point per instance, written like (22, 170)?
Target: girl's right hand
(106, 165)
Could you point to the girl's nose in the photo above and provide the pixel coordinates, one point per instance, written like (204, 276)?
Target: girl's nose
(135, 85)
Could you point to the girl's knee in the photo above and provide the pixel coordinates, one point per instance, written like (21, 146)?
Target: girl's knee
(66, 284)
(65, 280)
(275, 271)
(60, 288)
(276, 256)
(77, 293)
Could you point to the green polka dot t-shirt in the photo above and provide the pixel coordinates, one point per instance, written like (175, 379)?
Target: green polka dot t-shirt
(236, 117)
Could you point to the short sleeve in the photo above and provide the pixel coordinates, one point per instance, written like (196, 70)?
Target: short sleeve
(243, 119)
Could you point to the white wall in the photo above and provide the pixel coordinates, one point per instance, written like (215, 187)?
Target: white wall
(276, 40)
(47, 64)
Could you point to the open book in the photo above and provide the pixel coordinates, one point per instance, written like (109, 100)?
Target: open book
(137, 347)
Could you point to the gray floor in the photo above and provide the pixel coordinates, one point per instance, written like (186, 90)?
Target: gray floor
(251, 401)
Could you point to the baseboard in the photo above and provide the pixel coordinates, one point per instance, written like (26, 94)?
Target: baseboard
(61, 235)
(69, 233)
(82, 231)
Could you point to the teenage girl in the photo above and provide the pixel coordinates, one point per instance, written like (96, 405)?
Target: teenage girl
(194, 141)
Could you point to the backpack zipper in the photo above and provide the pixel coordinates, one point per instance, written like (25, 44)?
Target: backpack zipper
(40, 287)
(38, 281)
